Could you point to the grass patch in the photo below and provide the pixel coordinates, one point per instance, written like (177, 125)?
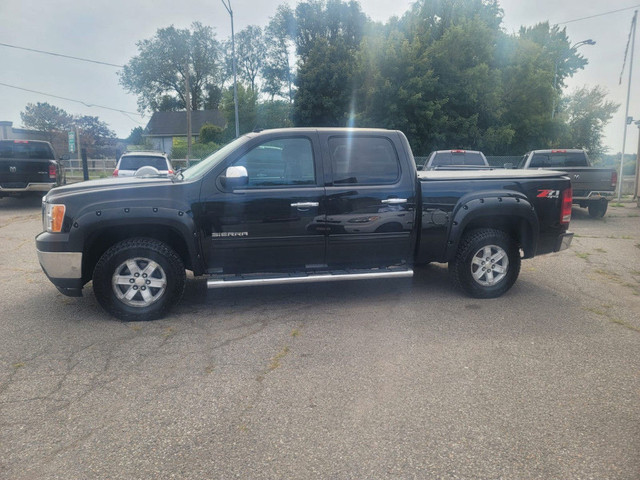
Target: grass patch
(600, 250)
(295, 332)
(275, 361)
(616, 204)
(584, 256)
(18, 365)
(622, 323)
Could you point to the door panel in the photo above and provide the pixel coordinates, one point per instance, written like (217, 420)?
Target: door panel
(267, 225)
(370, 203)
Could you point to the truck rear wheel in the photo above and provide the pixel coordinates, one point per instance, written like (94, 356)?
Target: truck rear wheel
(598, 208)
(139, 279)
(487, 263)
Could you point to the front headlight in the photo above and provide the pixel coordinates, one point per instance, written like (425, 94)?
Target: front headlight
(52, 217)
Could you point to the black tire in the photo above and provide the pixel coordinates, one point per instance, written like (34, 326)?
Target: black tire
(139, 279)
(466, 267)
(598, 208)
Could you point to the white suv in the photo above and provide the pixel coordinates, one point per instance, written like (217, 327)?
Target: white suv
(130, 162)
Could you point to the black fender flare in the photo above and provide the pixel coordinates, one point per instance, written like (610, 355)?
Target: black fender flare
(495, 206)
(135, 220)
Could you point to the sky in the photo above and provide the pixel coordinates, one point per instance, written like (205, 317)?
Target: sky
(108, 31)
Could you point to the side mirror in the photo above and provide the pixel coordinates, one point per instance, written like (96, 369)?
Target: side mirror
(234, 177)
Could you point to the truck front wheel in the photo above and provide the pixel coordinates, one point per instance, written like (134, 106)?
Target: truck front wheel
(139, 279)
(487, 263)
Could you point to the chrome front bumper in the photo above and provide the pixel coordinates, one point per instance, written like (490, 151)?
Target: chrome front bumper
(67, 265)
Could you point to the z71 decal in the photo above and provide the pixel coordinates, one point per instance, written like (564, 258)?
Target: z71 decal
(548, 194)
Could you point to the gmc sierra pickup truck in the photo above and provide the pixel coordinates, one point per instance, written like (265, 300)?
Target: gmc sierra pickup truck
(28, 166)
(593, 187)
(298, 205)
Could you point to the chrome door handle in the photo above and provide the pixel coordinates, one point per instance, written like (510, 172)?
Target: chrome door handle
(305, 204)
(395, 200)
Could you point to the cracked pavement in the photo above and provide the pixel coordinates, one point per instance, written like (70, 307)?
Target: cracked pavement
(375, 379)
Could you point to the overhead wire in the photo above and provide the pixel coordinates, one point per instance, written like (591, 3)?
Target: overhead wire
(61, 55)
(86, 104)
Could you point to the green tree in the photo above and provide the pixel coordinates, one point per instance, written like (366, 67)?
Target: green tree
(586, 112)
(327, 41)
(278, 72)
(250, 54)
(135, 137)
(160, 68)
(247, 113)
(94, 133)
(46, 118)
(210, 133)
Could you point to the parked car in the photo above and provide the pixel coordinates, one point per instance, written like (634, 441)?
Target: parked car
(455, 160)
(131, 162)
(28, 166)
(298, 205)
(593, 187)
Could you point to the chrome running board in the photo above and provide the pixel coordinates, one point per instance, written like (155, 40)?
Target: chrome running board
(335, 276)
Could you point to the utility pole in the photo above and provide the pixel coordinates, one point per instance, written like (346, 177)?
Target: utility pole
(626, 113)
(636, 190)
(227, 5)
(188, 102)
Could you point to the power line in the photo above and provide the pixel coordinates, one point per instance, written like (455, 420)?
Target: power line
(124, 112)
(599, 14)
(61, 55)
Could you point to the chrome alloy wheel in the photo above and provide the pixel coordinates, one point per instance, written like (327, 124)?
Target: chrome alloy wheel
(490, 265)
(139, 282)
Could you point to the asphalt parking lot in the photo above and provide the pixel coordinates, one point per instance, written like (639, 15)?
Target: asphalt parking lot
(376, 379)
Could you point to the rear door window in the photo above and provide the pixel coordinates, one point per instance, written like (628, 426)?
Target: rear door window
(363, 161)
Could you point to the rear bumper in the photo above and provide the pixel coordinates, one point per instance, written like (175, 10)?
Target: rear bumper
(594, 196)
(563, 242)
(31, 187)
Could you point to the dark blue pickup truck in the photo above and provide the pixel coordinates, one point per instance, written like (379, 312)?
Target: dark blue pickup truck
(298, 205)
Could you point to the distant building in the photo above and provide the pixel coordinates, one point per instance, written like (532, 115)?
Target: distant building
(164, 127)
(58, 140)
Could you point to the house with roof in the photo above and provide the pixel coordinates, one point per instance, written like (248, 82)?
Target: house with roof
(164, 127)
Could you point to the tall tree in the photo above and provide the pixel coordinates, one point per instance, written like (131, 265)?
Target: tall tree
(586, 112)
(327, 41)
(93, 131)
(160, 68)
(46, 118)
(250, 52)
(278, 72)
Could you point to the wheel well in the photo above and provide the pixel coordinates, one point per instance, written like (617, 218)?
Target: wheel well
(100, 241)
(516, 227)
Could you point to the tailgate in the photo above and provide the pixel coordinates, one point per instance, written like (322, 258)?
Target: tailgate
(585, 180)
(19, 172)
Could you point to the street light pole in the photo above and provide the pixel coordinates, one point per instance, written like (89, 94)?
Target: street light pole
(227, 5)
(555, 72)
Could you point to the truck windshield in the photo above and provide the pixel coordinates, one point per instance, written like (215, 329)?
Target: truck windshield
(212, 160)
